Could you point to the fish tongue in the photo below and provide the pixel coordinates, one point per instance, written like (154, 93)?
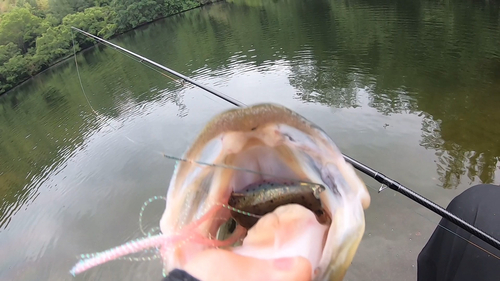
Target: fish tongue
(289, 231)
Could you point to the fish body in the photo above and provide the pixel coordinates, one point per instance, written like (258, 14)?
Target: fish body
(274, 142)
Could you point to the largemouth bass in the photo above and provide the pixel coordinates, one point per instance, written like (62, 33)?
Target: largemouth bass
(277, 143)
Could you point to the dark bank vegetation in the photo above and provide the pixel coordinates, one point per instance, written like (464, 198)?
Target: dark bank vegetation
(35, 34)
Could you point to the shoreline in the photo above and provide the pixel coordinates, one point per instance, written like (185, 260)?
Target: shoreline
(64, 59)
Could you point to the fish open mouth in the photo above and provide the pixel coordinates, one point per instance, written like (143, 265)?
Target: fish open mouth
(281, 159)
(260, 180)
(262, 193)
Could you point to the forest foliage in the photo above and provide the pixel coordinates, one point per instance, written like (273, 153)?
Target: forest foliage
(35, 34)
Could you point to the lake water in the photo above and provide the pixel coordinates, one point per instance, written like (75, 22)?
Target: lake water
(410, 88)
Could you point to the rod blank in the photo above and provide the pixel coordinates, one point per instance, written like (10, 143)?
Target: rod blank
(394, 185)
(212, 91)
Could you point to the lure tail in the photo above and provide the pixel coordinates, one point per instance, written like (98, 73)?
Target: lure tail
(120, 251)
(160, 241)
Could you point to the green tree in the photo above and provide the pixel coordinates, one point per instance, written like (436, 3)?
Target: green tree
(131, 13)
(36, 33)
(15, 69)
(8, 51)
(20, 27)
(95, 20)
(54, 44)
(62, 8)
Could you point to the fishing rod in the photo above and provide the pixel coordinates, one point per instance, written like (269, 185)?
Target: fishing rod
(381, 178)
(187, 79)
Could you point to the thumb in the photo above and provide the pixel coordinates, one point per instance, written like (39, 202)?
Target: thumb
(221, 265)
(293, 268)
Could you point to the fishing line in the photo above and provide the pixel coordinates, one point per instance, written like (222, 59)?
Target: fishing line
(78, 72)
(85, 94)
(105, 120)
(363, 168)
(89, 260)
(155, 198)
(178, 81)
(371, 187)
(445, 228)
(163, 243)
(237, 169)
(358, 165)
(460, 236)
(149, 233)
(86, 257)
(144, 205)
(185, 78)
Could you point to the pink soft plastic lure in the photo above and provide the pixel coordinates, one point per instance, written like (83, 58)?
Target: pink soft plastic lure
(162, 242)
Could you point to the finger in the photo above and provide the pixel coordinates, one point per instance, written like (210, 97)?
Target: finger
(222, 265)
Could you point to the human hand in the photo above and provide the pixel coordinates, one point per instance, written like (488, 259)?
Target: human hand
(290, 228)
(221, 265)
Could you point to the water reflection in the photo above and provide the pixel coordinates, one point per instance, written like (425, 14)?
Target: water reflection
(388, 80)
(419, 58)
(464, 148)
(44, 121)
